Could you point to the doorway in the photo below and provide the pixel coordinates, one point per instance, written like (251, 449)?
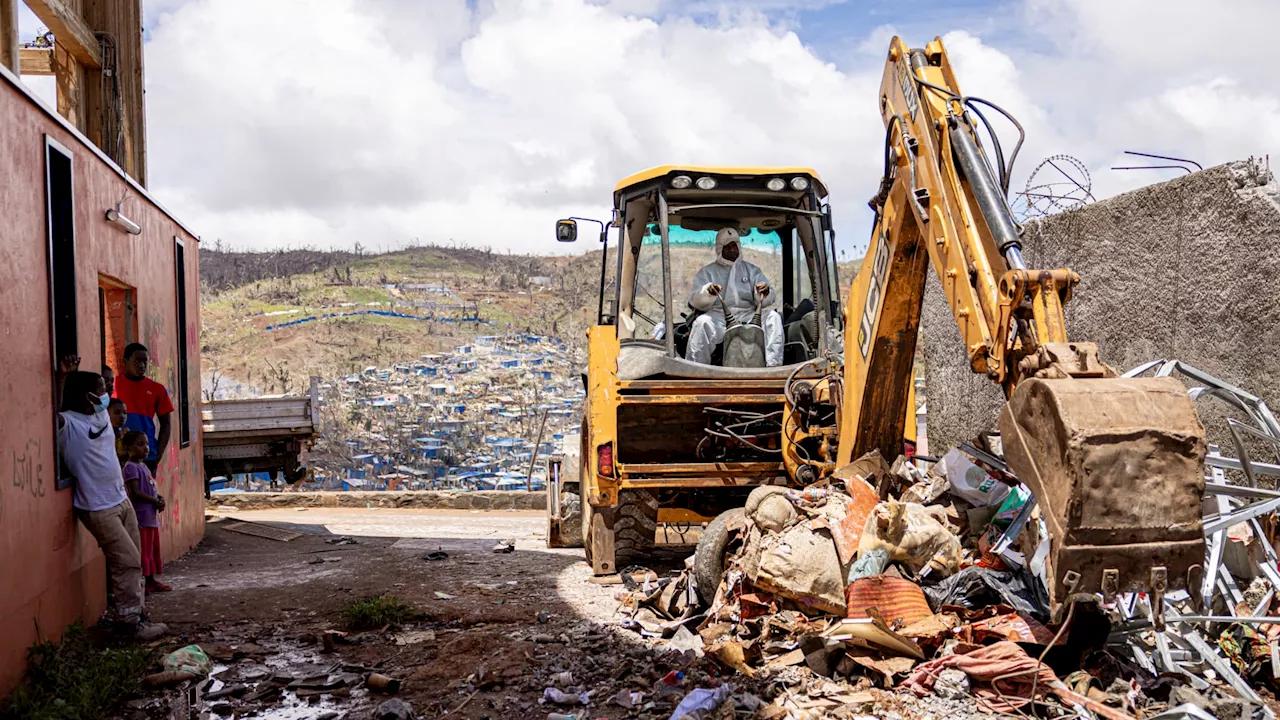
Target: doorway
(118, 310)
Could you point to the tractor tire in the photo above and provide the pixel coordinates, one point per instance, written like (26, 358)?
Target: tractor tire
(636, 528)
(708, 559)
(571, 520)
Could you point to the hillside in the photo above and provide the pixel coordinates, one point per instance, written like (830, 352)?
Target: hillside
(270, 320)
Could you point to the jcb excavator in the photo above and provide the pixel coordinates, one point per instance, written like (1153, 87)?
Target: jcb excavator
(1115, 464)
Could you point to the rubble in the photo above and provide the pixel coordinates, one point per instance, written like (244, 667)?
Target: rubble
(936, 587)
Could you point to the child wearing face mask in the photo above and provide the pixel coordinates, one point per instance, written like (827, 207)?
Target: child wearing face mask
(87, 446)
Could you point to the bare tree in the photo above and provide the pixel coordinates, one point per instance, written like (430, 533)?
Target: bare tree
(279, 376)
(215, 380)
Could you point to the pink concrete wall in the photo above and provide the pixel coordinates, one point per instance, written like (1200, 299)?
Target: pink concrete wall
(51, 572)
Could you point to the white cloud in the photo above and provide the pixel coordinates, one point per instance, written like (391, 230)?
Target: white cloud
(1172, 77)
(272, 124)
(332, 122)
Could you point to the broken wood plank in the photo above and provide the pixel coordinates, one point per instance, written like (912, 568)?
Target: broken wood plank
(259, 530)
(69, 29)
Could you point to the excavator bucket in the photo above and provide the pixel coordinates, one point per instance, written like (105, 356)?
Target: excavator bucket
(1116, 465)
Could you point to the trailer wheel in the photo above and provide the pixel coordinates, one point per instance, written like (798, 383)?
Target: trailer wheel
(571, 503)
(636, 528)
(295, 474)
(571, 525)
(708, 559)
(587, 512)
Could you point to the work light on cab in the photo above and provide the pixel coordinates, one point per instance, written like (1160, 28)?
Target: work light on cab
(799, 183)
(680, 182)
(776, 184)
(706, 183)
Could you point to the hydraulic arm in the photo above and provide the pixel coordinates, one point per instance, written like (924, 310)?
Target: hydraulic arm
(1115, 464)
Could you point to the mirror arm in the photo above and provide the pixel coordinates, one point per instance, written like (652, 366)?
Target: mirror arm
(603, 230)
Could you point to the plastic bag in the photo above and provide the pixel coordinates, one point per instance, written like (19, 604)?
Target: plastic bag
(913, 535)
(700, 703)
(188, 659)
(561, 697)
(977, 587)
(970, 482)
(1011, 506)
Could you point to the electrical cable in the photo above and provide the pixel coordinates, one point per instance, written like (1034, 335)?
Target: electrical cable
(728, 434)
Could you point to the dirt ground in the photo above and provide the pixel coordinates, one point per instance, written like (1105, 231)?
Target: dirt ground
(494, 628)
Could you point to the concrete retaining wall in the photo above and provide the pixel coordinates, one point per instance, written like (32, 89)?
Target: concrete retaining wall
(440, 500)
(1188, 269)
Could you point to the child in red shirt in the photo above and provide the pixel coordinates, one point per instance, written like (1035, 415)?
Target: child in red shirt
(147, 504)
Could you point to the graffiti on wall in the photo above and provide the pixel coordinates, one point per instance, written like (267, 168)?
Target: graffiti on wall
(170, 487)
(193, 384)
(28, 468)
(161, 370)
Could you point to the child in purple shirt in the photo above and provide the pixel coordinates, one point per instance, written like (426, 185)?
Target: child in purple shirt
(147, 504)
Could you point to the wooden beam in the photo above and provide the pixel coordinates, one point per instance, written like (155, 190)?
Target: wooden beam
(35, 61)
(9, 34)
(115, 107)
(70, 77)
(69, 29)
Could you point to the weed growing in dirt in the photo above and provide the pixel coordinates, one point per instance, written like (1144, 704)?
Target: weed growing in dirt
(376, 611)
(76, 679)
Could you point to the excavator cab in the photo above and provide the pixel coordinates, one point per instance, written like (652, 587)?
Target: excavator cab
(669, 219)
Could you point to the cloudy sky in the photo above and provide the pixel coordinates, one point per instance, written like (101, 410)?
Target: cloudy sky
(325, 123)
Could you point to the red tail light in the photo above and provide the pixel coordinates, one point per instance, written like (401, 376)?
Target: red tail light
(604, 462)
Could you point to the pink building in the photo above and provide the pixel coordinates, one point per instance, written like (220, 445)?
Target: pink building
(91, 262)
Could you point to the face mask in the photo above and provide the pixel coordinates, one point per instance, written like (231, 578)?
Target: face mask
(100, 402)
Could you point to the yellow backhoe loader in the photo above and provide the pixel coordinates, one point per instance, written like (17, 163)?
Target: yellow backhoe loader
(1115, 464)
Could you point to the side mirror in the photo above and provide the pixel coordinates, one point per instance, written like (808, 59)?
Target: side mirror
(566, 230)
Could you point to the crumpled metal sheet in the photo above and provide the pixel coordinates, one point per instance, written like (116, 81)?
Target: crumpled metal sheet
(855, 509)
(900, 602)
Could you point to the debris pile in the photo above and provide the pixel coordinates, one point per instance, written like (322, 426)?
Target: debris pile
(927, 578)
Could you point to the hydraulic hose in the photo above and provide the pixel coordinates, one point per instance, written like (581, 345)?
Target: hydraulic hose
(986, 193)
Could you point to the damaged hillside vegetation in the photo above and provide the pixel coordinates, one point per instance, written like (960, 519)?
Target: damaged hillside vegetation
(938, 592)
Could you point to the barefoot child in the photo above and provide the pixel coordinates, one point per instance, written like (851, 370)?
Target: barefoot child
(148, 504)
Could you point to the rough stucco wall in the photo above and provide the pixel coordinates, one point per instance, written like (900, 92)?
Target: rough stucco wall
(1188, 269)
(53, 573)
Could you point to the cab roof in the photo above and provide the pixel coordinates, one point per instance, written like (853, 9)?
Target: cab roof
(752, 170)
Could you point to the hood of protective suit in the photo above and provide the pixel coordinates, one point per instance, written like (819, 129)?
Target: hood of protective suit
(723, 238)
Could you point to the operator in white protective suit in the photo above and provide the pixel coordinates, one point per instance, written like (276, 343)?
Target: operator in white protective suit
(740, 284)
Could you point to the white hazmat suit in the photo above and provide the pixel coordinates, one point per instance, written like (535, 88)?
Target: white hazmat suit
(738, 280)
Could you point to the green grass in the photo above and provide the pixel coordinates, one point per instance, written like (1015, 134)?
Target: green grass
(76, 679)
(366, 295)
(370, 613)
